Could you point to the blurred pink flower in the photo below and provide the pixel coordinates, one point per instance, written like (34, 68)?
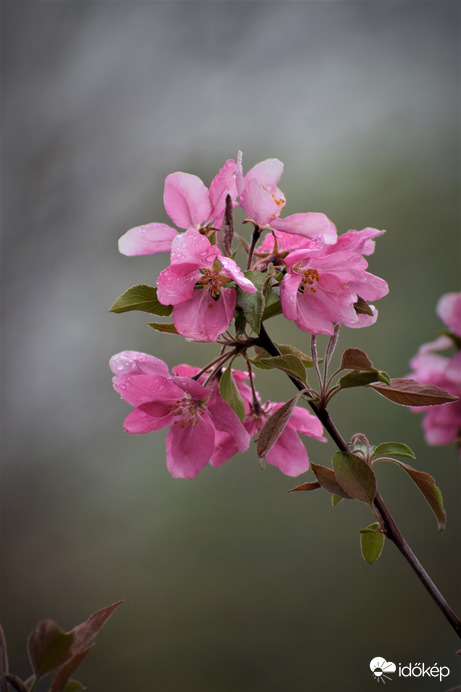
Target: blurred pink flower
(195, 283)
(441, 424)
(203, 428)
(189, 204)
(325, 281)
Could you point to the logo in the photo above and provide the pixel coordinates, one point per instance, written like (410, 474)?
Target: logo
(380, 669)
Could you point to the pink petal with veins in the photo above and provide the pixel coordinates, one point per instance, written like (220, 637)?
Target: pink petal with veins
(147, 240)
(186, 200)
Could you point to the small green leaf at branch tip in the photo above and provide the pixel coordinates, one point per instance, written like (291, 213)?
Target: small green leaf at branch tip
(355, 476)
(361, 378)
(74, 686)
(286, 349)
(336, 499)
(230, 393)
(165, 328)
(275, 425)
(289, 363)
(371, 543)
(310, 485)
(407, 392)
(142, 298)
(397, 449)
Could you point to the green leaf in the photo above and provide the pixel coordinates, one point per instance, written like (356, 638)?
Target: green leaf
(253, 304)
(165, 328)
(355, 476)
(48, 647)
(273, 306)
(336, 499)
(397, 449)
(327, 479)
(359, 378)
(240, 322)
(426, 484)
(306, 360)
(142, 298)
(310, 485)
(408, 392)
(74, 686)
(230, 393)
(289, 363)
(274, 426)
(355, 359)
(371, 543)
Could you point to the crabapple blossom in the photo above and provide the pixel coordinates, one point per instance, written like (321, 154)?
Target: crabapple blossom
(203, 427)
(441, 424)
(325, 282)
(196, 282)
(189, 204)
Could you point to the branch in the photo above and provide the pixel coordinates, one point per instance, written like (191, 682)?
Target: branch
(392, 530)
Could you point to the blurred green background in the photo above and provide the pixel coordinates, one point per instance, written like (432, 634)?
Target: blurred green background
(230, 584)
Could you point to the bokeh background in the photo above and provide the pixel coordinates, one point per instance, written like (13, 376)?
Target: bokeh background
(230, 584)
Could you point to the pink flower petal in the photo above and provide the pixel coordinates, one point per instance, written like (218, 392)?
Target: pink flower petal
(147, 239)
(449, 310)
(267, 173)
(225, 420)
(222, 185)
(141, 389)
(310, 225)
(176, 283)
(203, 318)
(186, 200)
(289, 454)
(189, 447)
(149, 417)
(225, 447)
(136, 363)
(259, 204)
(193, 248)
(233, 271)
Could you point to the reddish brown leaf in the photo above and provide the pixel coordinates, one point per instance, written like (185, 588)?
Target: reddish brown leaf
(62, 676)
(48, 646)
(275, 426)
(87, 631)
(14, 682)
(355, 359)
(311, 485)
(407, 392)
(327, 479)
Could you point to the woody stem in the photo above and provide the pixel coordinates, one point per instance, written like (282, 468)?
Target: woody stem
(392, 530)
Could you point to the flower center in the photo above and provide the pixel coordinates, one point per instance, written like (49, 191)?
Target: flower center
(212, 281)
(187, 410)
(310, 276)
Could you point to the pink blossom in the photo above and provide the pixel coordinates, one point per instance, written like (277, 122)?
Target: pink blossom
(195, 283)
(324, 283)
(263, 201)
(288, 452)
(449, 310)
(189, 204)
(203, 428)
(441, 424)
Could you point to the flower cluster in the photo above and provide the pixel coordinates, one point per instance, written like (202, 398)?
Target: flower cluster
(203, 427)
(442, 424)
(323, 277)
(296, 265)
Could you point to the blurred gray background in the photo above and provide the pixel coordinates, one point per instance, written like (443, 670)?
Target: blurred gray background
(230, 583)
